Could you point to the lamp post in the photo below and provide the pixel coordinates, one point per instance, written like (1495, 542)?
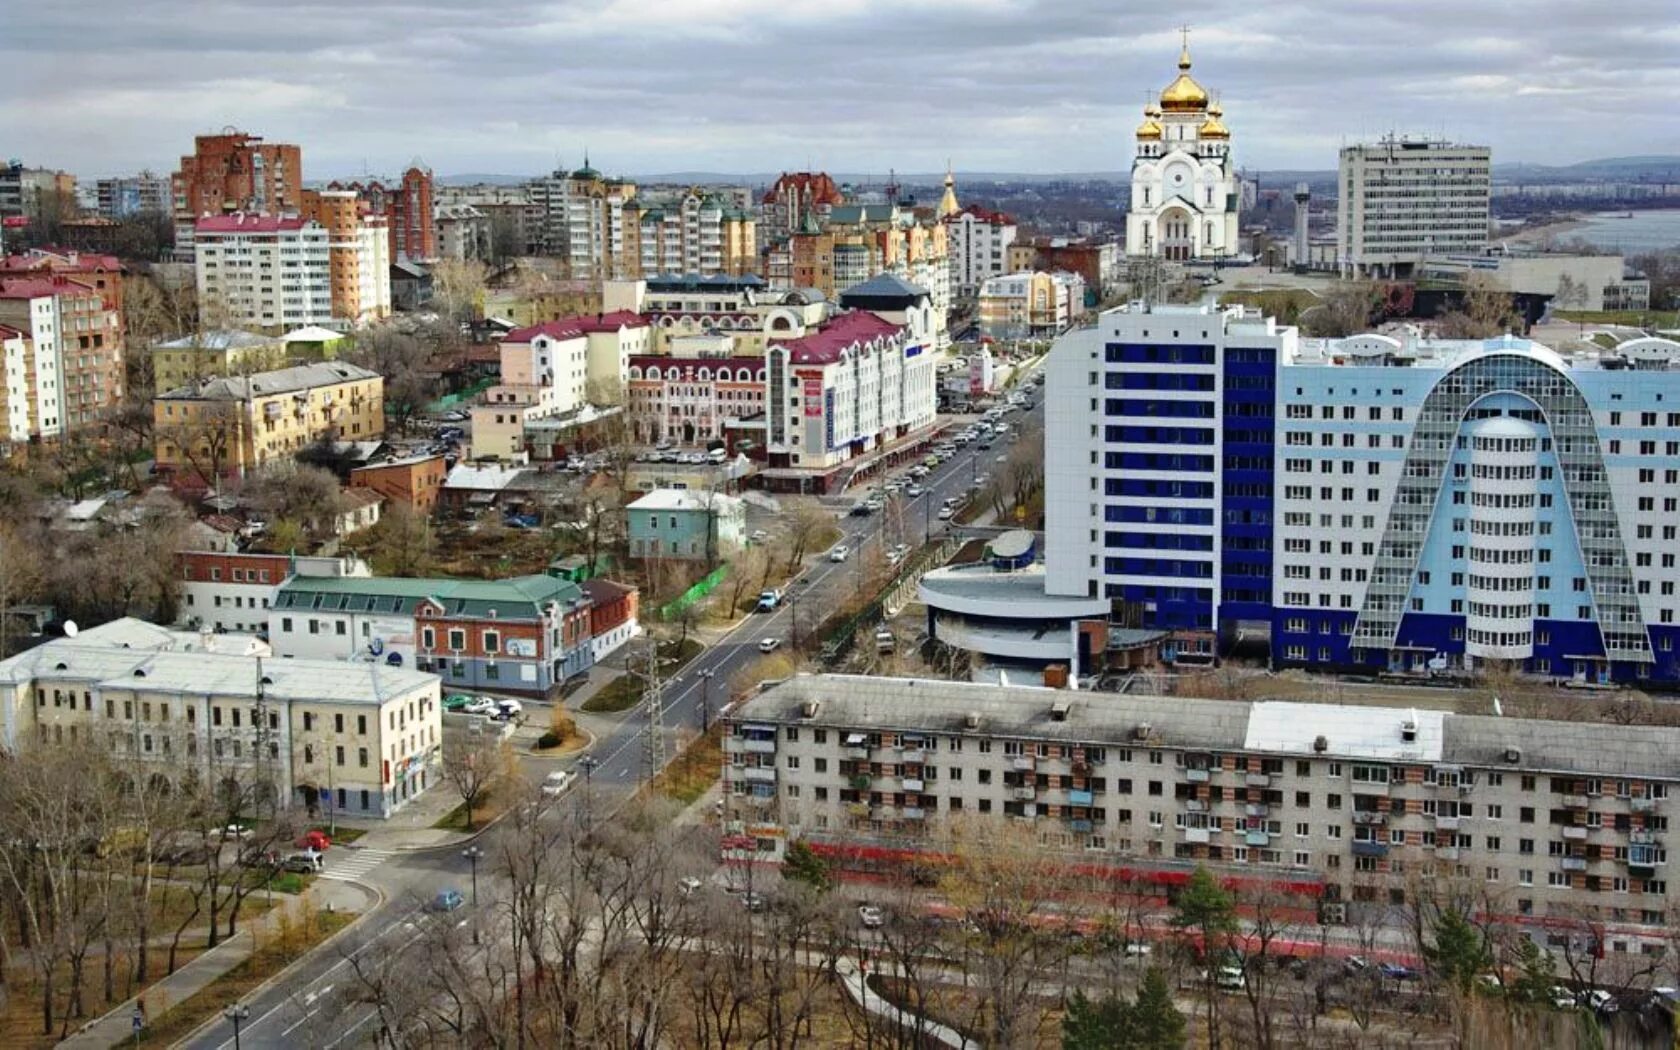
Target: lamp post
(588, 763)
(237, 1013)
(472, 854)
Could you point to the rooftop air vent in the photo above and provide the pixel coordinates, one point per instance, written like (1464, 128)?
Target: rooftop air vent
(1321, 743)
(1408, 731)
(1512, 755)
(972, 720)
(809, 708)
(1059, 711)
(1143, 732)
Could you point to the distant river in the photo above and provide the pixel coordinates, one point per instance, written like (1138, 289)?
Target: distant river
(1645, 231)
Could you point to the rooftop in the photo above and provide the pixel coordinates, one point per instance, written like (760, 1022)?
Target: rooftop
(516, 597)
(573, 327)
(825, 345)
(883, 286)
(1408, 349)
(243, 222)
(684, 499)
(91, 660)
(218, 339)
(491, 477)
(1186, 724)
(266, 384)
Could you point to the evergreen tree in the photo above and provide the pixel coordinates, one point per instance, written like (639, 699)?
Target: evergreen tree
(803, 865)
(1095, 1025)
(1206, 908)
(1536, 974)
(1459, 951)
(1156, 1023)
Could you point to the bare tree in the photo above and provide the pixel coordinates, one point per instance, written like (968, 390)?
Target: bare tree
(473, 767)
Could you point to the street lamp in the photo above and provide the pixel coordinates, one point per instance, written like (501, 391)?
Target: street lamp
(472, 854)
(587, 763)
(236, 1013)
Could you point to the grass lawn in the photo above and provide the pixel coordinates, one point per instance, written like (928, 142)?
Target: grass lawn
(625, 691)
(1635, 318)
(695, 770)
(269, 959)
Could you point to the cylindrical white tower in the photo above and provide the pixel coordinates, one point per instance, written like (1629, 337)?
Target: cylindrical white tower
(1504, 466)
(1302, 197)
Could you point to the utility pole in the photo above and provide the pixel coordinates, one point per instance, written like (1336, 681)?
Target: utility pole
(265, 782)
(705, 700)
(653, 748)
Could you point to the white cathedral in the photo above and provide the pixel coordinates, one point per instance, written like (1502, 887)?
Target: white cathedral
(1184, 189)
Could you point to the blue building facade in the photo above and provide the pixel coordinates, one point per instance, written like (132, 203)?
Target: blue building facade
(1371, 503)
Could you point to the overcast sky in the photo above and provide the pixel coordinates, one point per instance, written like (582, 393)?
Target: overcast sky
(648, 86)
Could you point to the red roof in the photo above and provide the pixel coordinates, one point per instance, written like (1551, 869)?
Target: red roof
(242, 222)
(59, 260)
(572, 327)
(817, 185)
(39, 287)
(8, 332)
(986, 215)
(692, 364)
(825, 344)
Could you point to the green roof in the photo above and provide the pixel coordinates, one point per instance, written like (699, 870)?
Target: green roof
(518, 597)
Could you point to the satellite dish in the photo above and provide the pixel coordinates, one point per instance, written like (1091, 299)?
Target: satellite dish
(70, 628)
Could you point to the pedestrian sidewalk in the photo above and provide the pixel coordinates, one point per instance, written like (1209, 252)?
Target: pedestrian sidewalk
(852, 978)
(117, 1026)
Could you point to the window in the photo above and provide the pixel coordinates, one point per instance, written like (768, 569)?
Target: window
(457, 639)
(492, 641)
(362, 757)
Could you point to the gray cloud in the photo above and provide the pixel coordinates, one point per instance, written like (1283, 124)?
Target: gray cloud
(855, 85)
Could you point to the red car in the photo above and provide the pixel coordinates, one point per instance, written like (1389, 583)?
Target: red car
(315, 840)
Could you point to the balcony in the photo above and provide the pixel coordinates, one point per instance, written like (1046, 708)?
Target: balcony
(1258, 780)
(759, 747)
(1023, 794)
(1079, 825)
(760, 774)
(913, 756)
(1446, 823)
(1198, 776)
(1370, 849)
(1573, 864)
(760, 800)
(1642, 837)
(1257, 809)
(860, 781)
(1080, 797)
(1196, 835)
(1195, 805)
(1575, 802)
(1257, 838)
(1369, 817)
(1446, 852)
(911, 783)
(856, 753)
(914, 813)
(857, 809)
(1575, 832)
(1023, 763)
(1643, 805)
(1644, 856)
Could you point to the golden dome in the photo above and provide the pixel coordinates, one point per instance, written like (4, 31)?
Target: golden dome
(1184, 95)
(1214, 128)
(1149, 129)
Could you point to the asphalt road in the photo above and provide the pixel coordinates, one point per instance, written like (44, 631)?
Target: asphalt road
(316, 1003)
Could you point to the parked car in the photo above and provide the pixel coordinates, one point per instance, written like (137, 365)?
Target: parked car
(1230, 978)
(760, 536)
(314, 839)
(769, 600)
(456, 702)
(913, 490)
(482, 705)
(510, 709)
(558, 782)
(688, 885)
(446, 901)
(769, 645)
(947, 513)
(839, 553)
(1397, 972)
(755, 902)
(871, 916)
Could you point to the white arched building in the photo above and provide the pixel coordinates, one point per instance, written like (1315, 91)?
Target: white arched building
(1184, 188)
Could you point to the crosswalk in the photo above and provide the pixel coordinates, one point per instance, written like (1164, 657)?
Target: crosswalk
(348, 865)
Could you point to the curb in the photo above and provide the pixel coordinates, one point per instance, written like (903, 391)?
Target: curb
(379, 901)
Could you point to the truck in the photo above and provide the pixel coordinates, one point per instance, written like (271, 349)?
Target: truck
(769, 600)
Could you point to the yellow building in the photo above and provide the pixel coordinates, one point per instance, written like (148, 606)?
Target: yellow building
(227, 426)
(226, 352)
(363, 739)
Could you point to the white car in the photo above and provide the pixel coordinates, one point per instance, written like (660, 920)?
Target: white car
(769, 645)
(839, 553)
(509, 709)
(556, 783)
(687, 885)
(871, 916)
(913, 490)
(760, 536)
(482, 705)
(947, 513)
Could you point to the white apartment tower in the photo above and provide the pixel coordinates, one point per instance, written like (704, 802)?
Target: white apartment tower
(1401, 199)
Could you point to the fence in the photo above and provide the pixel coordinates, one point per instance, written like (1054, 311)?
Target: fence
(681, 603)
(461, 397)
(838, 639)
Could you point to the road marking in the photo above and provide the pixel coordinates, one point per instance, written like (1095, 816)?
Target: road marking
(353, 866)
(299, 1022)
